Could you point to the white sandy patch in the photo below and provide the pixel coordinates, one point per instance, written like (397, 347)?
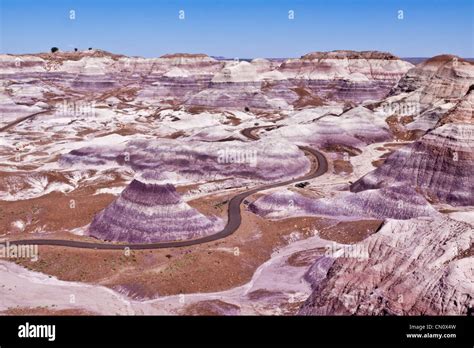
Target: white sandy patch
(110, 190)
(25, 288)
(464, 216)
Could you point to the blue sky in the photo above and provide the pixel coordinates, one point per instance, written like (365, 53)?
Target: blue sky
(239, 28)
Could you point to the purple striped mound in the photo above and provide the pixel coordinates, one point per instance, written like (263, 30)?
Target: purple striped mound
(150, 212)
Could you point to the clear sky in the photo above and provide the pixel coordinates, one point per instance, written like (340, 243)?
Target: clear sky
(239, 28)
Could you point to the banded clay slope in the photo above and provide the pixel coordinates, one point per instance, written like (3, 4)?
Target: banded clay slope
(423, 265)
(356, 128)
(148, 212)
(439, 165)
(414, 267)
(395, 202)
(312, 80)
(441, 77)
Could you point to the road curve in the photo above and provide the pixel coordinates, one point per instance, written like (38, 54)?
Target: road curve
(233, 221)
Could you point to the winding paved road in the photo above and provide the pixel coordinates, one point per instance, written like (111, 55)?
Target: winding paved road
(234, 215)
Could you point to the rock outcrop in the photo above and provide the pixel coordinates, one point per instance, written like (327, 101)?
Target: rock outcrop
(348, 65)
(414, 267)
(463, 112)
(444, 77)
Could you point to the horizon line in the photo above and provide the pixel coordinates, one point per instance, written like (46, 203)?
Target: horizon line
(222, 57)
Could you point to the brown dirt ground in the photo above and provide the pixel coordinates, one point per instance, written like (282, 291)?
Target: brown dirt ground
(55, 211)
(342, 167)
(377, 163)
(339, 148)
(350, 232)
(306, 99)
(396, 126)
(211, 307)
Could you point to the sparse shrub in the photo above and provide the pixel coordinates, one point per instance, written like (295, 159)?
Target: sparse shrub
(54, 49)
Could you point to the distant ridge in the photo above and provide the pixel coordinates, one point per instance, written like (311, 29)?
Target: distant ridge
(418, 60)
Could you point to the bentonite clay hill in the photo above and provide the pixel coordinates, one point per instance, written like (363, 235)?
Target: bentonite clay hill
(150, 212)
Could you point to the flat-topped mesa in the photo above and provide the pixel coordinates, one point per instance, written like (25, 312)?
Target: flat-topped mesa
(348, 54)
(149, 211)
(346, 75)
(76, 55)
(198, 59)
(347, 65)
(196, 56)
